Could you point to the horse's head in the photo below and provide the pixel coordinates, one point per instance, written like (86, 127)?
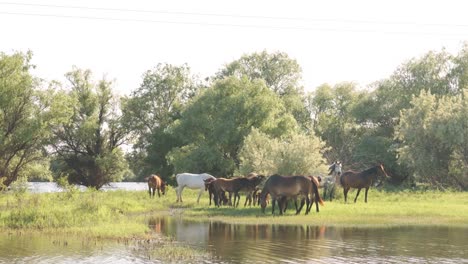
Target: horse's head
(383, 174)
(208, 183)
(338, 167)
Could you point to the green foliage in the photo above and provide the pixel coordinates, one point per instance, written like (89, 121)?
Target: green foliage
(24, 119)
(88, 133)
(296, 154)
(434, 139)
(280, 73)
(214, 125)
(148, 113)
(333, 111)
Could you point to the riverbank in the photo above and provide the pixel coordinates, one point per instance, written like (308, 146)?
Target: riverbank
(125, 214)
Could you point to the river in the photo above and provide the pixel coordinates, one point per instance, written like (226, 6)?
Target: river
(231, 243)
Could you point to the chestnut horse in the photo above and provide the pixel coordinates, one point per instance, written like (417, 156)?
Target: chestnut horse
(363, 179)
(156, 183)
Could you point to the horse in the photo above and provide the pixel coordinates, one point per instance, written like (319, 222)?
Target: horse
(335, 171)
(363, 179)
(282, 188)
(156, 183)
(209, 186)
(317, 199)
(191, 181)
(250, 186)
(234, 186)
(329, 186)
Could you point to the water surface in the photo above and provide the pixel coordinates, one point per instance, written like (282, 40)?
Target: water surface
(320, 244)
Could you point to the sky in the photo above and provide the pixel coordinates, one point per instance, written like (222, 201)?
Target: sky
(333, 41)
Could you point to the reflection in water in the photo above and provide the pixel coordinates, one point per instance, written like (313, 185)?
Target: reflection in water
(280, 243)
(254, 244)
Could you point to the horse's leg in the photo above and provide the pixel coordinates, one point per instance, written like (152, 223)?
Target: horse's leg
(302, 205)
(273, 203)
(367, 189)
(178, 193)
(199, 194)
(248, 197)
(159, 194)
(357, 194)
(332, 192)
(345, 192)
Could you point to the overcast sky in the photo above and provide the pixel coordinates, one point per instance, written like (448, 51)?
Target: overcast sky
(333, 41)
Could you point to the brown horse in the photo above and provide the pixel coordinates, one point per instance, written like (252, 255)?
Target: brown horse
(156, 183)
(282, 188)
(234, 186)
(363, 179)
(209, 186)
(317, 199)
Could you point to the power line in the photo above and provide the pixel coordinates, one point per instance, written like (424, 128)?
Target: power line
(231, 25)
(232, 16)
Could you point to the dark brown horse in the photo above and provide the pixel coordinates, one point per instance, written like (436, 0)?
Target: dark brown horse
(282, 188)
(363, 179)
(156, 183)
(209, 186)
(234, 186)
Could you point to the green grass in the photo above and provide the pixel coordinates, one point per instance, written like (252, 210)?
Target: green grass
(121, 214)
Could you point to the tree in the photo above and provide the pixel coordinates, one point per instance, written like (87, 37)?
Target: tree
(214, 125)
(280, 73)
(332, 111)
(150, 110)
(296, 154)
(23, 120)
(88, 136)
(434, 137)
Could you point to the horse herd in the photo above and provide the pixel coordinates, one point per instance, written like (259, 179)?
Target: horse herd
(260, 189)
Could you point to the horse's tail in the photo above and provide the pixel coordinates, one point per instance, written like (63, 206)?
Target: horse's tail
(315, 185)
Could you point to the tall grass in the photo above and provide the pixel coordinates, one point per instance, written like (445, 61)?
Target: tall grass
(126, 213)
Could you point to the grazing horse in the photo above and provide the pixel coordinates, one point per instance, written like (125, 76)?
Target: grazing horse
(156, 183)
(282, 188)
(234, 186)
(191, 181)
(363, 179)
(209, 186)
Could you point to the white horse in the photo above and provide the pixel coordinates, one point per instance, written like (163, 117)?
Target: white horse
(191, 181)
(335, 171)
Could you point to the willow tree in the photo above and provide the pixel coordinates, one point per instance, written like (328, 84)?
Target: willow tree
(434, 136)
(89, 135)
(23, 120)
(294, 154)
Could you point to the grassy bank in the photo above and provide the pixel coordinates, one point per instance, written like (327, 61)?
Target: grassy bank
(123, 214)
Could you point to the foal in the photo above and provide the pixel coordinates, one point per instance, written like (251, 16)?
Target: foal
(156, 183)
